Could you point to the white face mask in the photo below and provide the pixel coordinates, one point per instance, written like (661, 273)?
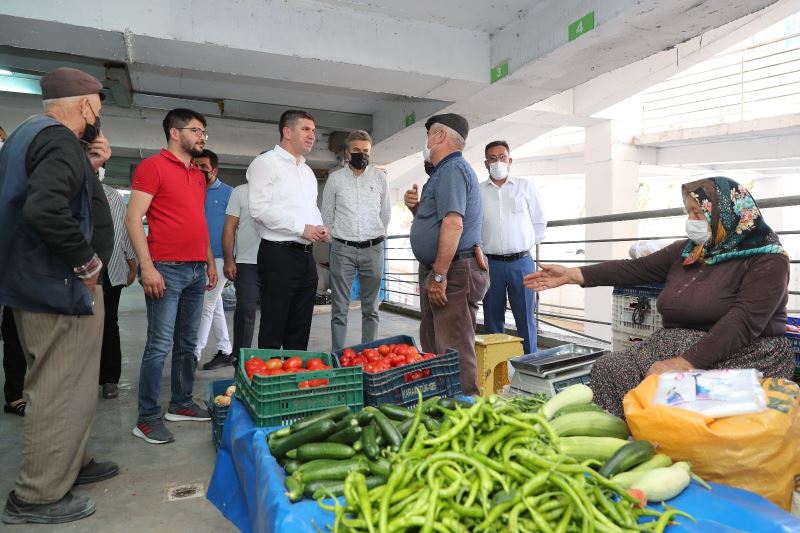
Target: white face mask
(101, 173)
(426, 152)
(698, 231)
(498, 170)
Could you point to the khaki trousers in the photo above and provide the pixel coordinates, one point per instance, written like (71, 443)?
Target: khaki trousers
(453, 326)
(63, 355)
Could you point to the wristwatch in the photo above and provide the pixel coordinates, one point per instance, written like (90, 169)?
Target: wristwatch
(438, 278)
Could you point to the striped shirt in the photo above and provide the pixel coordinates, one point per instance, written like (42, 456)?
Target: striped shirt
(118, 266)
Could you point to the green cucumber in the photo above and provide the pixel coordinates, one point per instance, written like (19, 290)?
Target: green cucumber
(364, 418)
(325, 489)
(431, 424)
(346, 422)
(580, 408)
(316, 463)
(324, 450)
(392, 437)
(451, 403)
(291, 466)
(380, 467)
(394, 412)
(294, 489)
(314, 433)
(346, 436)
(334, 414)
(632, 454)
(429, 406)
(333, 471)
(659, 460)
(573, 395)
(404, 426)
(358, 446)
(590, 424)
(585, 448)
(663, 484)
(369, 439)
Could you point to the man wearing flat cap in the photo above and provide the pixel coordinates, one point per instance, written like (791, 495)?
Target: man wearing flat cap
(58, 234)
(445, 239)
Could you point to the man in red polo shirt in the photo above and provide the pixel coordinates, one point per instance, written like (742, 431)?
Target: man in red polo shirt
(174, 258)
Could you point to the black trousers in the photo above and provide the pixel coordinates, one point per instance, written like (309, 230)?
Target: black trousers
(288, 288)
(111, 352)
(14, 364)
(248, 287)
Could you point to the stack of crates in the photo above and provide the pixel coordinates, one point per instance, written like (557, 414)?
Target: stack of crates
(218, 413)
(634, 316)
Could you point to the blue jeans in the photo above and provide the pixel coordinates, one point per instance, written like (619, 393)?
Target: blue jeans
(506, 276)
(172, 323)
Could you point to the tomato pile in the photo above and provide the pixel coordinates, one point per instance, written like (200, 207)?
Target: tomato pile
(386, 357)
(291, 365)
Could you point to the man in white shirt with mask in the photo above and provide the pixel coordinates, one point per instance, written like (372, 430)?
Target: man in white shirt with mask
(283, 204)
(513, 222)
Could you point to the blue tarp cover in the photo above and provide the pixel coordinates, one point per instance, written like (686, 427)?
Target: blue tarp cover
(247, 486)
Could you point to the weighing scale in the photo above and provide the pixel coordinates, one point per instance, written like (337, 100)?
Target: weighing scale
(549, 371)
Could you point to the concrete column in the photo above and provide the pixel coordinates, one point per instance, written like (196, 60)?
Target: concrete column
(612, 186)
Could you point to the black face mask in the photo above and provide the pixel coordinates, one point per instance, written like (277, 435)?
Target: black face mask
(92, 131)
(428, 168)
(358, 160)
(206, 174)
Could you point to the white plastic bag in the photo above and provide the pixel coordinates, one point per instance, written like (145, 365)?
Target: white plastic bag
(713, 393)
(643, 248)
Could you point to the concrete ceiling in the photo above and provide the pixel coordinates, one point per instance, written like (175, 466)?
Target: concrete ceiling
(355, 63)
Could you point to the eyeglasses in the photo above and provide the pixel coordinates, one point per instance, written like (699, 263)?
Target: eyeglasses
(203, 134)
(496, 158)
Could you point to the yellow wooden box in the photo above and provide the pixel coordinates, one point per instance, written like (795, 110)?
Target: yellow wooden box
(492, 351)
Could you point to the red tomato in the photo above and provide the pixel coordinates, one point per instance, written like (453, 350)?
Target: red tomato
(426, 372)
(429, 356)
(383, 365)
(374, 357)
(262, 372)
(292, 363)
(314, 363)
(303, 385)
(359, 361)
(276, 371)
(253, 364)
(349, 352)
(299, 370)
(401, 350)
(318, 382)
(383, 349)
(273, 363)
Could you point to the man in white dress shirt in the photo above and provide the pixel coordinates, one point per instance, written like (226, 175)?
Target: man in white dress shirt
(283, 204)
(355, 206)
(513, 222)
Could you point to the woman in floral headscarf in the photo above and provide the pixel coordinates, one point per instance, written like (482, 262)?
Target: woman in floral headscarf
(724, 300)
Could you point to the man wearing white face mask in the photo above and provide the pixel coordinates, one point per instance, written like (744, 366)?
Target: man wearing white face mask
(513, 221)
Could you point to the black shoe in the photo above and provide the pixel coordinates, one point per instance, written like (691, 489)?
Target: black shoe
(220, 360)
(94, 471)
(67, 509)
(110, 391)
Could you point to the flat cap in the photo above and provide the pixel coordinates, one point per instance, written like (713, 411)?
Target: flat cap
(451, 120)
(64, 82)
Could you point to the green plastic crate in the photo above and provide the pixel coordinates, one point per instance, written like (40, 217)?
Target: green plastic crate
(277, 400)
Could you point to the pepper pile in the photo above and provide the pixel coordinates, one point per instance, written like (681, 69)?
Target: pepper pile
(490, 467)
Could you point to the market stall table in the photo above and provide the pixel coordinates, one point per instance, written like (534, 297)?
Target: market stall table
(247, 487)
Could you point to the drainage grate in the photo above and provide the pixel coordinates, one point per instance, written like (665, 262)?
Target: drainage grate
(184, 492)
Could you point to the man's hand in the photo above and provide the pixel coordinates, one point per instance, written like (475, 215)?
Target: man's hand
(552, 276)
(411, 198)
(313, 233)
(153, 282)
(325, 234)
(99, 151)
(131, 272)
(91, 283)
(437, 292)
(676, 364)
(229, 270)
(211, 272)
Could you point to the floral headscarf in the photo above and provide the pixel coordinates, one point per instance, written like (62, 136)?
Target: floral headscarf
(737, 228)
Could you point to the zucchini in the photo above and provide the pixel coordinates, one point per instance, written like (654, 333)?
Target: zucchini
(581, 408)
(659, 460)
(451, 403)
(429, 406)
(325, 489)
(392, 437)
(627, 479)
(346, 422)
(291, 466)
(395, 412)
(364, 418)
(573, 395)
(346, 436)
(369, 439)
(324, 450)
(336, 470)
(431, 424)
(380, 467)
(404, 426)
(590, 424)
(316, 463)
(358, 446)
(663, 484)
(331, 414)
(585, 448)
(632, 454)
(314, 433)
(294, 489)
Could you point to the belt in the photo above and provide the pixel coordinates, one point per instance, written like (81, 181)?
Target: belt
(508, 257)
(307, 248)
(466, 254)
(361, 244)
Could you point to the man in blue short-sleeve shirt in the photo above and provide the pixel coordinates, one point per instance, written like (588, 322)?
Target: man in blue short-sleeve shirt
(445, 239)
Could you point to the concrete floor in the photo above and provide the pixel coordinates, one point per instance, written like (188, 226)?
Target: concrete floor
(135, 500)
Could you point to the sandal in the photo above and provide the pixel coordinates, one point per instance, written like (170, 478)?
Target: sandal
(18, 409)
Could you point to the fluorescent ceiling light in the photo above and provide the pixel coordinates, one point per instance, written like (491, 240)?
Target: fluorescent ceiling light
(5, 72)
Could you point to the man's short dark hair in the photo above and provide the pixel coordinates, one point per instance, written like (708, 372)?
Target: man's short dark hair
(212, 157)
(290, 117)
(496, 143)
(179, 118)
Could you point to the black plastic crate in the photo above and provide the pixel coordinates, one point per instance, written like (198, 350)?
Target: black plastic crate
(398, 386)
(397, 339)
(218, 413)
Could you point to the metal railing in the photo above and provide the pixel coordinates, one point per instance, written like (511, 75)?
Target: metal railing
(401, 284)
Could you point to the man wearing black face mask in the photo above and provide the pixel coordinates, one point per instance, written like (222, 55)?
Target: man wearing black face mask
(58, 235)
(355, 205)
